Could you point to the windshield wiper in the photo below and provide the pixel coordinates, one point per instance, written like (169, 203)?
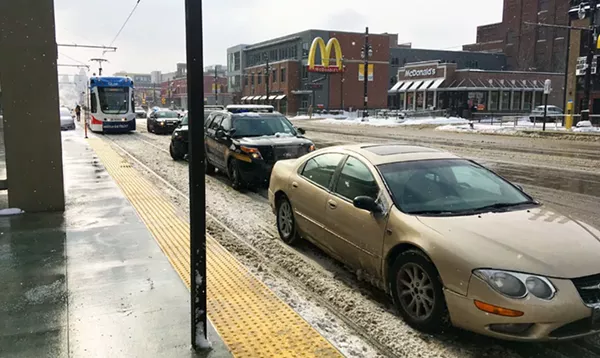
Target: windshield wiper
(432, 212)
(497, 206)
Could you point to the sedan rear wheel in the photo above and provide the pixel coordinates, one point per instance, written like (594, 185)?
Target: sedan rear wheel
(234, 174)
(286, 223)
(418, 293)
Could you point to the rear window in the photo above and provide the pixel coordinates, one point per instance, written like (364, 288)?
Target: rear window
(65, 112)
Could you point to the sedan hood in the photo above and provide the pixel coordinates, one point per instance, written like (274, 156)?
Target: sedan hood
(273, 140)
(537, 241)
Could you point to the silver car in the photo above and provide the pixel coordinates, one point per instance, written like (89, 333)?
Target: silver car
(67, 120)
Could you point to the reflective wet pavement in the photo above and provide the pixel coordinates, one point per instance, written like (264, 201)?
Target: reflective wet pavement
(91, 282)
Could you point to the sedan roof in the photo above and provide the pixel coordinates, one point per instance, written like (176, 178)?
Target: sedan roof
(379, 154)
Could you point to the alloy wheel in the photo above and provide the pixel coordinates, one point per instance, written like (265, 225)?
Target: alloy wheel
(415, 291)
(286, 220)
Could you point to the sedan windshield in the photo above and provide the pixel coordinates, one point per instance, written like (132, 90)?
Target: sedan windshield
(449, 187)
(114, 100)
(166, 114)
(256, 125)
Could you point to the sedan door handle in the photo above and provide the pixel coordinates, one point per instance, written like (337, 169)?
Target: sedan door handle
(332, 204)
(294, 185)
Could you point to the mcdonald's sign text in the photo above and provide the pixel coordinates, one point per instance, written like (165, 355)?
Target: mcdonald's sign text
(324, 67)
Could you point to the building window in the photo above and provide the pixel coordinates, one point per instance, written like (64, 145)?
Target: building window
(393, 80)
(252, 79)
(505, 104)
(274, 76)
(305, 49)
(527, 100)
(236, 61)
(259, 80)
(517, 100)
(246, 80)
(494, 101)
(304, 72)
(283, 75)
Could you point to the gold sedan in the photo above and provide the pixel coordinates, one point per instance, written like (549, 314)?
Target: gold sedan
(449, 240)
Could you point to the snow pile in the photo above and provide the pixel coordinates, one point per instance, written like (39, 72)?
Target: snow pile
(321, 116)
(394, 121)
(518, 128)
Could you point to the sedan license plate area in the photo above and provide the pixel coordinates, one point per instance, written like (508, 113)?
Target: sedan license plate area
(596, 318)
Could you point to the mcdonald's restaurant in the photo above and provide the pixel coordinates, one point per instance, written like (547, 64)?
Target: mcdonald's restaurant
(278, 71)
(437, 85)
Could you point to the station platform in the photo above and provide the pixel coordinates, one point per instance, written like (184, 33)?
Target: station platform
(110, 276)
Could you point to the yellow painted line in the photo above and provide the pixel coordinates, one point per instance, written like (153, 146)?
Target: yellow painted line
(250, 319)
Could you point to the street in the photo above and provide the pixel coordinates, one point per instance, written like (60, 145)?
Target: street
(356, 317)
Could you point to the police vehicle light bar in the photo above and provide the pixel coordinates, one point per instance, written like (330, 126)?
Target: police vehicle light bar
(250, 108)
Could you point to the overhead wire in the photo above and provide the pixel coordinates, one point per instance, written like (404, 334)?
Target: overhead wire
(124, 24)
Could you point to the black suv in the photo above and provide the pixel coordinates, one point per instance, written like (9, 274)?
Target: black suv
(179, 138)
(245, 141)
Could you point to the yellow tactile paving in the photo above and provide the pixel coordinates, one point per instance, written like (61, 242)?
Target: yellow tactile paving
(252, 321)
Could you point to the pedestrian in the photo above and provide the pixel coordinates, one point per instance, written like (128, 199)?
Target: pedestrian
(78, 112)
(310, 111)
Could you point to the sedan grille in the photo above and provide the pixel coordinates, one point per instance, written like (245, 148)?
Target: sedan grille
(589, 289)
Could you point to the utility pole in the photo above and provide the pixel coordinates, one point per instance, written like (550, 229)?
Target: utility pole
(216, 86)
(586, 105)
(267, 75)
(342, 85)
(99, 60)
(365, 53)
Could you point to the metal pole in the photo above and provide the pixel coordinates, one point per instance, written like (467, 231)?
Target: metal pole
(586, 106)
(545, 112)
(216, 86)
(342, 85)
(366, 72)
(195, 83)
(267, 76)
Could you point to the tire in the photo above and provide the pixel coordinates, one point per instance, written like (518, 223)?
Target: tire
(233, 171)
(208, 168)
(148, 127)
(286, 222)
(421, 301)
(174, 153)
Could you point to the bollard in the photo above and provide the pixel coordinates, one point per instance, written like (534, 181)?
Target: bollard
(569, 116)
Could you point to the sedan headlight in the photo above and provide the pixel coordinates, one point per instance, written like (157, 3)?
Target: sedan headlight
(517, 285)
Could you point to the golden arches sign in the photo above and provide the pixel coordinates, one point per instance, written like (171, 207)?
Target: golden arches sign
(332, 44)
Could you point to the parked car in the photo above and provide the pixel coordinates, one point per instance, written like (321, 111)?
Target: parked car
(245, 141)
(140, 112)
(448, 239)
(553, 113)
(178, 148)
(162, 121)
(67, 119)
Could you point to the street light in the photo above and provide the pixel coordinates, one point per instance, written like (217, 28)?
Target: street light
(267, 74)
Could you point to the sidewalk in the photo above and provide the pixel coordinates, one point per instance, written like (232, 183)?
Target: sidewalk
(90, 282)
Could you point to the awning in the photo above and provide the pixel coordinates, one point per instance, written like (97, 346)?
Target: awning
(425, 85)
(263, 98)
(405, 86)
(396, 87)
(249, 98)
(272, 97)
(436, 84)
(244, 98)
(280, 97)
(414, 86)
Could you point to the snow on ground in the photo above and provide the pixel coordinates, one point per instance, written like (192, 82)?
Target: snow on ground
(516, 128)
(386, 121)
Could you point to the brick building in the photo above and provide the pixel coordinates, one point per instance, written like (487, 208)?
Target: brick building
(527, 47)
(293, 88)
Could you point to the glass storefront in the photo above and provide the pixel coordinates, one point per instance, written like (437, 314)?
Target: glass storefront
(410, 97)
(420, 100)
(527, 99)
(505, 104)
(494, 101)
(429, 102)
(517, 100)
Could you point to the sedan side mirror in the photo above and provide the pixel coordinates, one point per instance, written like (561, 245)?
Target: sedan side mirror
(301, 131)
(220, 134)
(367, 203)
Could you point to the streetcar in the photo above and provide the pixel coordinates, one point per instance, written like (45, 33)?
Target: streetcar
(111, 105)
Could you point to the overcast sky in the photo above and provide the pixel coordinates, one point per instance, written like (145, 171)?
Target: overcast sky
(154, 38)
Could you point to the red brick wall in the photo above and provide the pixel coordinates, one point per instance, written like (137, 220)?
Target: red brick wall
(353, 88)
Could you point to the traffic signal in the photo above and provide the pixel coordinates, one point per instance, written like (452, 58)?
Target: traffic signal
(163, 100)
